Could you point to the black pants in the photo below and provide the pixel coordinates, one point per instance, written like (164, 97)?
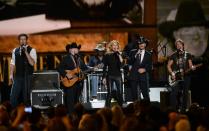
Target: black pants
(71, 96)
(110, 88)
(179, 94)
(20, 92)
(137, 87)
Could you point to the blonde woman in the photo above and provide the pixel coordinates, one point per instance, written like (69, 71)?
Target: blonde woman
(113, 61)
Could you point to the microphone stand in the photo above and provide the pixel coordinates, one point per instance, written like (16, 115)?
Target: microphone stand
(26, 79)
(165, 67)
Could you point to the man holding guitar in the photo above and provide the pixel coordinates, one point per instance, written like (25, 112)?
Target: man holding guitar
(179, 65)
(70, 70)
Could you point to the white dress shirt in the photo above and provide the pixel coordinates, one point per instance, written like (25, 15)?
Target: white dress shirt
(142, 54)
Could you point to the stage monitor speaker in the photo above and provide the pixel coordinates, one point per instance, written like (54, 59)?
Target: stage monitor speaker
(155, 93)
(165, 99)
(46, 98)
(46, 80)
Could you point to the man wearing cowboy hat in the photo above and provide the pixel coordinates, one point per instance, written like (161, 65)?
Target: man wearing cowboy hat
(69, 64)
(190, 25)
(96, 62)
(141, 65)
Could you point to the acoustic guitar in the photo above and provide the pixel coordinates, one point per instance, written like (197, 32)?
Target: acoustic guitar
(179, 76)
(76, 74)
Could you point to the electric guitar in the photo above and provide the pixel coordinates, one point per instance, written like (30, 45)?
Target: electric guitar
(179, 76)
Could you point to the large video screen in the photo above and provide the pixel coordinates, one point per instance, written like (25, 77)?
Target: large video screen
(128, 11)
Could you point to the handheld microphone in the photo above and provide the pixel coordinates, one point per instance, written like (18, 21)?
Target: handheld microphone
(151, 51)
(22, 49)
(139, 52)
(180, 50)
(117, 52)
(77, 55)
(22, 45)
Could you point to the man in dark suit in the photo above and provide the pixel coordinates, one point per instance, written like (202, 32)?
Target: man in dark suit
(140, 66)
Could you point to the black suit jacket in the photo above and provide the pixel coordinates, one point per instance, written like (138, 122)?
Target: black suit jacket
(135, 64)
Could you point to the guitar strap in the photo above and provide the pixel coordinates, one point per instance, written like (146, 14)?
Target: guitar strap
(75, 65)
(76, 61)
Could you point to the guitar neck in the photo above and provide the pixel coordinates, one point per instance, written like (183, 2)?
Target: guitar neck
(196, 66)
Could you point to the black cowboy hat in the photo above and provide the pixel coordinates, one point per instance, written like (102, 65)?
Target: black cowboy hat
(72, 45)
(189, 13)
(141, 40)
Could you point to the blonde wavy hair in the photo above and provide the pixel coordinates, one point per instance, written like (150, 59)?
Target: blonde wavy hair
(110, 45)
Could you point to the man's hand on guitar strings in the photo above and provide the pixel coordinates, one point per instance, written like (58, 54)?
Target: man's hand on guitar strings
(69, 76)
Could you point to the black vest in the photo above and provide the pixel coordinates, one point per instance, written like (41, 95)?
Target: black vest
(21, 63)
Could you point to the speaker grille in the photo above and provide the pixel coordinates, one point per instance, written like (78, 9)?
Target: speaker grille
(45, 80)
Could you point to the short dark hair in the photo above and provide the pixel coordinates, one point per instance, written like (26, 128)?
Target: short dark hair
(20, 35)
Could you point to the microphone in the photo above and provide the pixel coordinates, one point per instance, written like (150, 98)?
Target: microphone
(22, 45)
(151, 51)
(180, 50)
(23, 48)
(117, 52)
(138, 52)
(20, 50)
(77, 55)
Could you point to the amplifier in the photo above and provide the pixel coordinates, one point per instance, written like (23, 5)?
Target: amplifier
(45, 80)
(46, 98)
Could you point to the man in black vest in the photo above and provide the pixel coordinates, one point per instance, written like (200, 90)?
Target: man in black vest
(21, 70)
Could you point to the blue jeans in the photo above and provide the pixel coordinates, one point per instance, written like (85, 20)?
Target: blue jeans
(95, 81)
